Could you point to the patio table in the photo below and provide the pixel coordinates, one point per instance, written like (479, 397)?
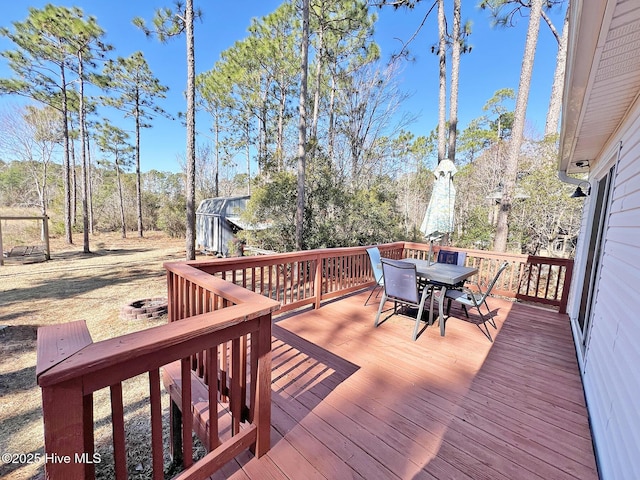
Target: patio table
(444, 275)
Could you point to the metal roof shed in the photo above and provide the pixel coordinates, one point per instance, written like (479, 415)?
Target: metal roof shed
(217, 222)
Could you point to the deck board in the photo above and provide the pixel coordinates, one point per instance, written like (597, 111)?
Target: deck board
(353, 401)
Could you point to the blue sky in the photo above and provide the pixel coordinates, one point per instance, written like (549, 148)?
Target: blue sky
(494, 62)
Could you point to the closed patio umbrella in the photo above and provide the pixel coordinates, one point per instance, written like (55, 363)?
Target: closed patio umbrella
(438, 219)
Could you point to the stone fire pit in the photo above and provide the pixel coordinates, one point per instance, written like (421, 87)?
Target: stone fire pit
(144, 309)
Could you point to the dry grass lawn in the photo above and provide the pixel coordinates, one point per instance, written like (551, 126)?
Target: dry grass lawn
(74, 286)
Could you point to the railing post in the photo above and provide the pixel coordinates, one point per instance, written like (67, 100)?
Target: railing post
(65, 438)
(45, 230)
(262, 416)
(566, 286)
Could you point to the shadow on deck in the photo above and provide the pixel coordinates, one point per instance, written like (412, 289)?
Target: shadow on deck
(353, 401)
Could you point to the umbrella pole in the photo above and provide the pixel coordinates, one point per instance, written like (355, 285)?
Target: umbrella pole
(430, 248)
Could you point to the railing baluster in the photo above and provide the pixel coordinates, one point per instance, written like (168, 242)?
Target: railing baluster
(302, 288)
(235, 386)
(556, 295)
(243, 376)
(157, 452)
(117, 422)
(546, 287)
(187, 419)
(290, 282)
(212, 360)
(223, 372)
(89, 444)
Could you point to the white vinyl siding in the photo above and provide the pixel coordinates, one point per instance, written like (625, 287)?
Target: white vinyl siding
(612, 359)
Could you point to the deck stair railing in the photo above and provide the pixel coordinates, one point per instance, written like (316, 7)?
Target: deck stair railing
(224, 335)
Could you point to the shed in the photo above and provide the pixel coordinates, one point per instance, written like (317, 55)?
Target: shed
(217, 222)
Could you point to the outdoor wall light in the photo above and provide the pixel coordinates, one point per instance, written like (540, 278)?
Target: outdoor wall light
(579, 193)
(582, 164)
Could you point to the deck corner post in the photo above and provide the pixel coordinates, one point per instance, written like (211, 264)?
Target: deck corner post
(65, 435)
(262, 415)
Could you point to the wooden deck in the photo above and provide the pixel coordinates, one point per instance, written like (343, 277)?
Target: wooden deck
(353, 401)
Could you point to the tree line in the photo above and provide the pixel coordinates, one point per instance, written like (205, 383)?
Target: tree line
(307, 96)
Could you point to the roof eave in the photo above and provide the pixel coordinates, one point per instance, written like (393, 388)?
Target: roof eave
(584, 49)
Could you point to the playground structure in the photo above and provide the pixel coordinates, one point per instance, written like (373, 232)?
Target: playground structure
(27, 254)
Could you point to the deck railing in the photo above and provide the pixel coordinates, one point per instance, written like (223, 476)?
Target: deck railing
(298, 279)
(219, 331)
(225, 326)
(305, 278)
(528, 278)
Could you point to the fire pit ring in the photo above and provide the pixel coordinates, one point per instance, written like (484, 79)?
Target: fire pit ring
(145, 309)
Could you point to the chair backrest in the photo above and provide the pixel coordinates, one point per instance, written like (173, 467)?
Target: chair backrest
(376, 266)
(400, 281)
(455, 258)
(495, 279)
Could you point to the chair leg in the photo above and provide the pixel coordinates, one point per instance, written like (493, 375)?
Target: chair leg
(425, 293)
(382, 302)
(486, 331)
(433, 296)
(490, 319)
(371, 293)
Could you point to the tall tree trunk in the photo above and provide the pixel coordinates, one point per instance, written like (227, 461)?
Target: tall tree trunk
(248, 155)
(442, 91)
(280, 141)
(191, 137)
(138, 175)
(517, 132)
(74, 185)
(122, 217)
(332, 121)
(555, 101)
(455, 70)
(67, 163)
(302, 125)
(262, 137)
(316, 94)
(83, 150)
(89, 185)
(43, 197)
(217, 137)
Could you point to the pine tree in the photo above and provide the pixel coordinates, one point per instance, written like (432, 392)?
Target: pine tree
(168, 23)
(136, 90)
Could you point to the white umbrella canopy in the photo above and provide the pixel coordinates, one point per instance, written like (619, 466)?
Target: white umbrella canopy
(438, 219)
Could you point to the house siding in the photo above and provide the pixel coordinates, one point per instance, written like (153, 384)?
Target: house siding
(611, 361)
